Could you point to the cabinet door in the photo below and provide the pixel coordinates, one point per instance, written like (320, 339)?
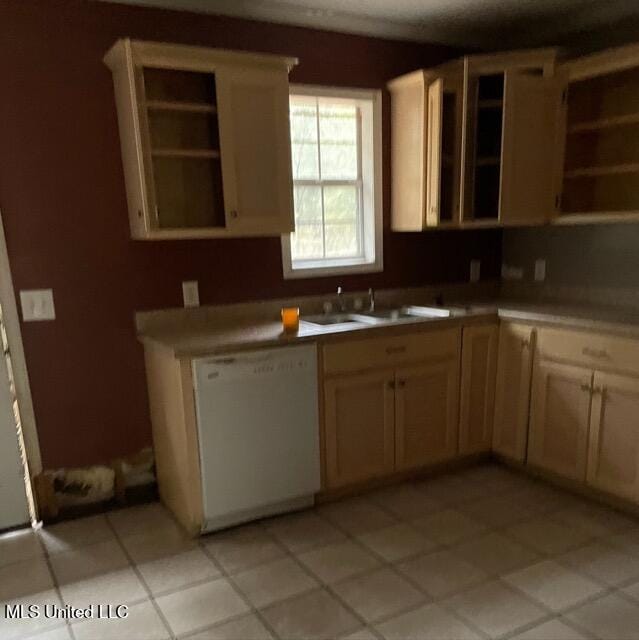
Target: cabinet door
(426, 410)
(532, 107)
(256, 152)
(359, 422)
(559, 417)
(434, 151)
(479, 364)
(613, 455)
(512, 390)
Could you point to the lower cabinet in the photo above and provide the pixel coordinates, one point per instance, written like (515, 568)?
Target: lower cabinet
(426, 411)
(613, 459)
(512, 390)
(477, 401)
(359, 427)
(559, 418)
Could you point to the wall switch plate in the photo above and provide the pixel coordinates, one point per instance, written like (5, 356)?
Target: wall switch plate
(191, 293)
(37, 304)
(509, 272)
(540, 270)
(475, 270)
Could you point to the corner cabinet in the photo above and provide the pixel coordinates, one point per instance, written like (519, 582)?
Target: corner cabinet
(205, 140)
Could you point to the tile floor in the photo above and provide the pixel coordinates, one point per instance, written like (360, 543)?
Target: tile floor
(482, 553)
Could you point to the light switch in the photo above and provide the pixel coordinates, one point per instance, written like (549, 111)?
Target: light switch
(37, 304)
(191, 293)
(540, 270)
(475, 270)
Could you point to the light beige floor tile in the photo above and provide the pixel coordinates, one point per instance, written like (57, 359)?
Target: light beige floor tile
(157, 543)
(626, 541)
(552, 630)
(497, 511)
(21, 628)
(553, 585)
(357, 515)
(595, 520)
(19, 545)
(312, 616)
(608, 618)
(59, 633)
(239, 549)
(273, 581)
(361, 634)
(495, 554)
(248, 627)
(632, 590)
(300, 532)
(495, 608)
(603, 562)
(200, 606)
(450, 490)
(85, 562)
(24, 577)
(405, 501)
(134, 520)
(429, 622)
(548, 536)
(495, 479)
(142, 623)
(448, 526)
(442, 573)
(396, 542)
(177, 571)
(338, 561)
(76, 533)
(542, 498)
(378, 594)
(115, 587)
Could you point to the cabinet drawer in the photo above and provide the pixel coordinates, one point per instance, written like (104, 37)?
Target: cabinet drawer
(594, 350)
(390, 351)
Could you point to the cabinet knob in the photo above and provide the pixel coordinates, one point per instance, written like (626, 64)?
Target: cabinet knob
(586, 387)
(401, 383)
(234, 214)
(525, 343)
(391, 384)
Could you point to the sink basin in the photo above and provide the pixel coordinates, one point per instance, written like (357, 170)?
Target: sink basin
(390, 315)
(331, 319)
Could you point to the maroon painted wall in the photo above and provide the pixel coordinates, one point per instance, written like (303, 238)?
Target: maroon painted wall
(63, 203)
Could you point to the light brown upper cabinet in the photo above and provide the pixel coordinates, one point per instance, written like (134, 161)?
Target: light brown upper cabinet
(512, 390)
(205, 140)
(601, 152)
(477, 397)
(473, 140)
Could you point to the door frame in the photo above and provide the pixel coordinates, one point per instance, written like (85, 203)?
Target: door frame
(11, 322)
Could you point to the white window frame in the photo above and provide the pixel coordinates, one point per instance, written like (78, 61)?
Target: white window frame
(371, 193)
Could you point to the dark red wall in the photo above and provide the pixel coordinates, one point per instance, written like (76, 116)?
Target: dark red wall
(63, 203)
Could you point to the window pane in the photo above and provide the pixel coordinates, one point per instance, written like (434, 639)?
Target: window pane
(308, 204)
(306, 242)
(304, 141)
(338, 141)
(341, 240)
(340, 203)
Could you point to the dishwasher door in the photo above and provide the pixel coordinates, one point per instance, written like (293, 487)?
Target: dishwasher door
(258, 427)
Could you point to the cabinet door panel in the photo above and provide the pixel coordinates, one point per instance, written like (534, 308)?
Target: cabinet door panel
(359, 427)
(426, 402)
(559, 417)
(532, 106)
(512, 390)
(255, 146)
(434, 159)
(479, 364)
(613, 460)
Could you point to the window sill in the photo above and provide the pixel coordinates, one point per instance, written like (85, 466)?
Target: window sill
(332, 270)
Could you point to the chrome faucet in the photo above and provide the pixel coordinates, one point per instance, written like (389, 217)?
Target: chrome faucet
(341, 303)
(371, 299)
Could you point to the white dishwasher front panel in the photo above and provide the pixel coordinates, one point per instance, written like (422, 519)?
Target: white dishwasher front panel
(258, 427)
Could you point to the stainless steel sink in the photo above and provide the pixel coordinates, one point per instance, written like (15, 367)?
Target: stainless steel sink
(379, 316)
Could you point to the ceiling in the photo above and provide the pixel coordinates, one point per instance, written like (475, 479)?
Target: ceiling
(481, 24)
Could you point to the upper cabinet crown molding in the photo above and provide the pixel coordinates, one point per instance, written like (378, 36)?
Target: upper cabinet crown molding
(205, 140)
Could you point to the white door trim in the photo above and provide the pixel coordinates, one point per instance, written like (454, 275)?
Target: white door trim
(18, 362)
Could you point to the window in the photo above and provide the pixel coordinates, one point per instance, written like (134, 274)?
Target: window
(335, 148)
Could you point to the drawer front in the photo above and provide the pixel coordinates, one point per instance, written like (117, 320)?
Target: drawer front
(390, 351)
(594, 350)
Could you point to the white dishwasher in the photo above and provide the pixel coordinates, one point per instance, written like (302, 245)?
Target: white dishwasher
(258, 427)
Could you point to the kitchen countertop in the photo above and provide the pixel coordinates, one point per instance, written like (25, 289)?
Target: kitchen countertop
(216, 338)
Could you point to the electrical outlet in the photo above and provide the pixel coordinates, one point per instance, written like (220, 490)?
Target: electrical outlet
(37, 304)
(191, 293)
(540, 270)
(475, 270)
(511, 273)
